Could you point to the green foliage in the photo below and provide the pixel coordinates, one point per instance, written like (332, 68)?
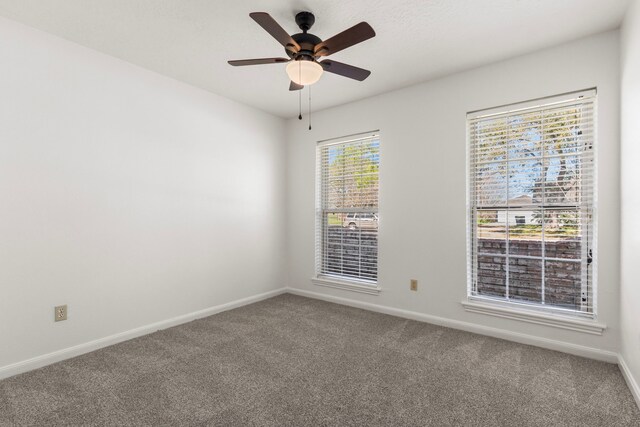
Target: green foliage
(536, 230)
(353, 176)
(334, 219)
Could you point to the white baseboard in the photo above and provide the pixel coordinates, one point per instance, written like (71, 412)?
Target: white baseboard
(77, 350)
(631, 381)
(578, 350)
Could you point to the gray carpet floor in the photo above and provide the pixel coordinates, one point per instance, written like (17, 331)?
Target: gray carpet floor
(293, 361)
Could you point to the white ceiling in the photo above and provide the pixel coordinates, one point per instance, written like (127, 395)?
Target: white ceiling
(191, 40)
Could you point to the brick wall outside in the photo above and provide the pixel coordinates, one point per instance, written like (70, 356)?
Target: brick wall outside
(352, 253)
(562, 278)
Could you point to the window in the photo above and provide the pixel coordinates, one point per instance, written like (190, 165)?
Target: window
(531, 204)
(347, 210)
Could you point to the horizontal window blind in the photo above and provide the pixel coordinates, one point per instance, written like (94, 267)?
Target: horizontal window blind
(347, 208)
(532, 183)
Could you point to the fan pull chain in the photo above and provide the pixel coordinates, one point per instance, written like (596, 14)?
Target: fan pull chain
(309, 107)
(299, 93)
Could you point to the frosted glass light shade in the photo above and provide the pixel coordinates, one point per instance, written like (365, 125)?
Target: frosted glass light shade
(304, 72)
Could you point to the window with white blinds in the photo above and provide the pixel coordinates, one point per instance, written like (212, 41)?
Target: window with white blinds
(347, 209)
(531, 204)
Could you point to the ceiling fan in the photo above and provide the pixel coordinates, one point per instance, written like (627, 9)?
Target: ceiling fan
(304, 49)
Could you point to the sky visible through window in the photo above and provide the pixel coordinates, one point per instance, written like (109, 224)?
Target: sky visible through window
(528, 157)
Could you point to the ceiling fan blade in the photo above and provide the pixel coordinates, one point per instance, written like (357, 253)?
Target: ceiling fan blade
(354, 35)
(258, 61)
(277, 32)
(295, 86)
(345, 70)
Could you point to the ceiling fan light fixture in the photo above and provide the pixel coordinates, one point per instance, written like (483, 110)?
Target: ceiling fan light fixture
(304, 72)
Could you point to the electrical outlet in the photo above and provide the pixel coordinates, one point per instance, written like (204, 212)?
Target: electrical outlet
(60, 313)
(414, 285)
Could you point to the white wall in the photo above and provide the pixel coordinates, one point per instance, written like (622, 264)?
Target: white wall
(129, 196)
(630, 179)
(423, 188)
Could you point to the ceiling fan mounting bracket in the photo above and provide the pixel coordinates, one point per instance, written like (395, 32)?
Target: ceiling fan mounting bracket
(305, 21)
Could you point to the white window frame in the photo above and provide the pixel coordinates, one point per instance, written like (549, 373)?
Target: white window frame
(533, 313)
(331, 280)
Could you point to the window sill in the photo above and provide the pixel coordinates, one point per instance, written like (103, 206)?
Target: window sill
(531, 316)
(372, 289)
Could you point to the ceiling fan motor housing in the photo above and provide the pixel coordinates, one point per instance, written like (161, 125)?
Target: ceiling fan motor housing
(307, 42)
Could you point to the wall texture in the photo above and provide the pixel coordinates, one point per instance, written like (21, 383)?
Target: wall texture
(423, 181)
(630, 179)
(129, 196)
